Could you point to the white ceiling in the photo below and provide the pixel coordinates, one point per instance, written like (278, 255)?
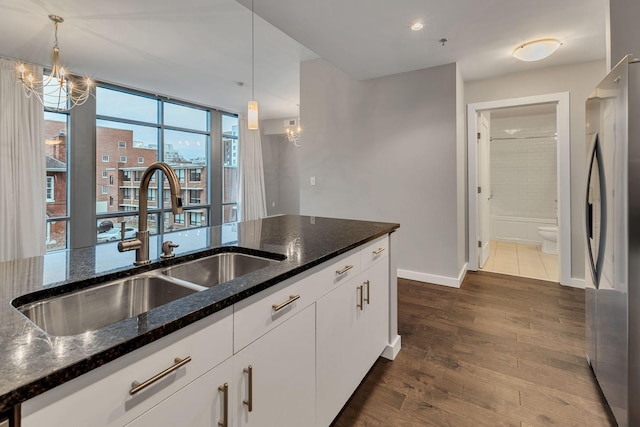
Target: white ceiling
(198, 50)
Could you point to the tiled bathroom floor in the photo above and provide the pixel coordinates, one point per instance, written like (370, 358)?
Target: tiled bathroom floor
(522, 260)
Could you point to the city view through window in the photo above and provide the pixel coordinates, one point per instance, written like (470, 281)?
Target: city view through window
(132, 132)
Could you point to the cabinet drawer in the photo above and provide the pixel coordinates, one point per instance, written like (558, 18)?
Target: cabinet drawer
(375, 251)
(258, 314)
(339, 272)
(102, 396)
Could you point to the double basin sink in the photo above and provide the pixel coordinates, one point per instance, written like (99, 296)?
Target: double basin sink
(98, 306)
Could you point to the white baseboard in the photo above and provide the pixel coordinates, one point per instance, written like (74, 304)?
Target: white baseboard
(391, 351)
(453, 282)
(574, 283)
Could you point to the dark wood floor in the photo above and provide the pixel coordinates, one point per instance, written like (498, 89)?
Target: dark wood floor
(499, 351)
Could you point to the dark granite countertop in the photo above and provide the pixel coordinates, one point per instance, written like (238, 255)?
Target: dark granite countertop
(32, 362)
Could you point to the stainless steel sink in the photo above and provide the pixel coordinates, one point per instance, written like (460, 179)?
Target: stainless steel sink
(217, 269)
(99, 306)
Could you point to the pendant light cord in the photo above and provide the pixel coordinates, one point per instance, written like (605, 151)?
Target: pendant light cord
(253, 95)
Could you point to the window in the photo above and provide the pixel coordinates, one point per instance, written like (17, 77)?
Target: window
(110, 200)
(153, 128)
(104, 174)
(194, 196)
(105, 158)
(105, 190)
(229, 168)
(179, 218)
(195, 218)
(195, 174)
(50, 189)
(110, 179)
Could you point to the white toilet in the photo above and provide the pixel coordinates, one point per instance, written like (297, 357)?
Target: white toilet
(549, 239)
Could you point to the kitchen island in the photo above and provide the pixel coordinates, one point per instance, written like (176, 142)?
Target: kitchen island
(38, 367)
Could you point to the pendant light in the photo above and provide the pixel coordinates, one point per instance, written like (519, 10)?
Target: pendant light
(252, 109)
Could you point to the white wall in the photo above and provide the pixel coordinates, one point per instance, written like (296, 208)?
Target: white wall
(578, 80)
(387, 149)
(281, 172)
(523, 171)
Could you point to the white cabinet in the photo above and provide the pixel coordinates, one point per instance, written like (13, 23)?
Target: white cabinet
(352, 326)
(206, 402)
(102, 396)
(274, 377)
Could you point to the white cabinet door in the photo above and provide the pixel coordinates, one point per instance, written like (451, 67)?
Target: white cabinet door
(376, 311)
(341, 348)
(203, 403)
(281, 384)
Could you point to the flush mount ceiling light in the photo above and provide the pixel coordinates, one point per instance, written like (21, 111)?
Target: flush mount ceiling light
(417, 26)
(57, 91)
(536, 50)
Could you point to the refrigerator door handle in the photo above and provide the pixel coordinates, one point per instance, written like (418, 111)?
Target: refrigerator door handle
(595, 261)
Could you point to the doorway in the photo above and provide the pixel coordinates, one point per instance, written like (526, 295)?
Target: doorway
(519, 171)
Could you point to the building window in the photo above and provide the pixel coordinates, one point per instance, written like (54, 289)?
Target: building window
(105, 158)
(105, 189)
(137, 175)
(194, 196)
(136, 194)
(104, 174)
(195, 175)
(126, 175)
(230, 176)
(122, 144)
(123, 159)
(195, 218)
(110, 200)
(50, 189)
(180, 173)
(178, 219)
(140, 160)
(126, 193)
(110, 179)
(152, 195)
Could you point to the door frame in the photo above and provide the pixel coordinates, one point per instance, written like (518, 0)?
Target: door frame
(563, 167)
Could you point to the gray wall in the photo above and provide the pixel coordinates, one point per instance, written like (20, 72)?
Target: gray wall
(387, 149)
(624, 31)
(281, 176)
(577, 79)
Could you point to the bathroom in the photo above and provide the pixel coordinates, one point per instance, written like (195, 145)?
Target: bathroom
(523, 192)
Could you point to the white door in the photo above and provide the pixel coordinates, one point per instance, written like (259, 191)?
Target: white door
(484, 190)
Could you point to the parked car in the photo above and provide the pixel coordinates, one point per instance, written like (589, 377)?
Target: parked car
(104, 225)
(114, 234)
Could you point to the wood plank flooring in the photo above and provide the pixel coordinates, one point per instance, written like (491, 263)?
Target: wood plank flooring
(499, 351)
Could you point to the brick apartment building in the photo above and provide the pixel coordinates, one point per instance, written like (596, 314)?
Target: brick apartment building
(56, 184)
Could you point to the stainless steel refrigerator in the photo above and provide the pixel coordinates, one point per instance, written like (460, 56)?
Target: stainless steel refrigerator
(612, 231)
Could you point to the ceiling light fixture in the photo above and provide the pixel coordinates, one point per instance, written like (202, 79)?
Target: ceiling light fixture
(294, 131)
(417, 26)
(536, 50)
(57, 91)
(252, 108)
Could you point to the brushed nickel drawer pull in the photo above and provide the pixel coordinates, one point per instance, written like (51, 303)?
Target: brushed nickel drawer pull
(361, 305)
(249, 401)
(378, 251)
(292, 298)
(136, 386)
(225, 405)
(368, 298)
(344, 270)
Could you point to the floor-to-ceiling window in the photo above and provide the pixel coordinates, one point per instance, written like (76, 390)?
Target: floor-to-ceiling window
(57, 165)
(229, 168)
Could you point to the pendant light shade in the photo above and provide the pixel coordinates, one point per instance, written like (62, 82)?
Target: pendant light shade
(252, 115)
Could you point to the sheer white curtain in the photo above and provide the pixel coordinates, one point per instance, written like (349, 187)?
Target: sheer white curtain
(253, 204)
(22, 169)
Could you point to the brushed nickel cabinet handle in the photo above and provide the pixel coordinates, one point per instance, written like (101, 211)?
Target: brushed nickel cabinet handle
(378, 251)
(344, 270)
(225, 405)
(278, 307)
(249, 401)
(368, 298)
(136, 386)
(361, 305)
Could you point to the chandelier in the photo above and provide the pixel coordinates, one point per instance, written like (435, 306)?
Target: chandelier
(57, 91)
(294, 131)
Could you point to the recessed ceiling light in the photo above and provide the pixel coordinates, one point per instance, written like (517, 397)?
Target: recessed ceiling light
(536, 50)
(417, 26)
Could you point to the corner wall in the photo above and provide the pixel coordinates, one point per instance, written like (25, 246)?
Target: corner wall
(386, 149)
(577, 79)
